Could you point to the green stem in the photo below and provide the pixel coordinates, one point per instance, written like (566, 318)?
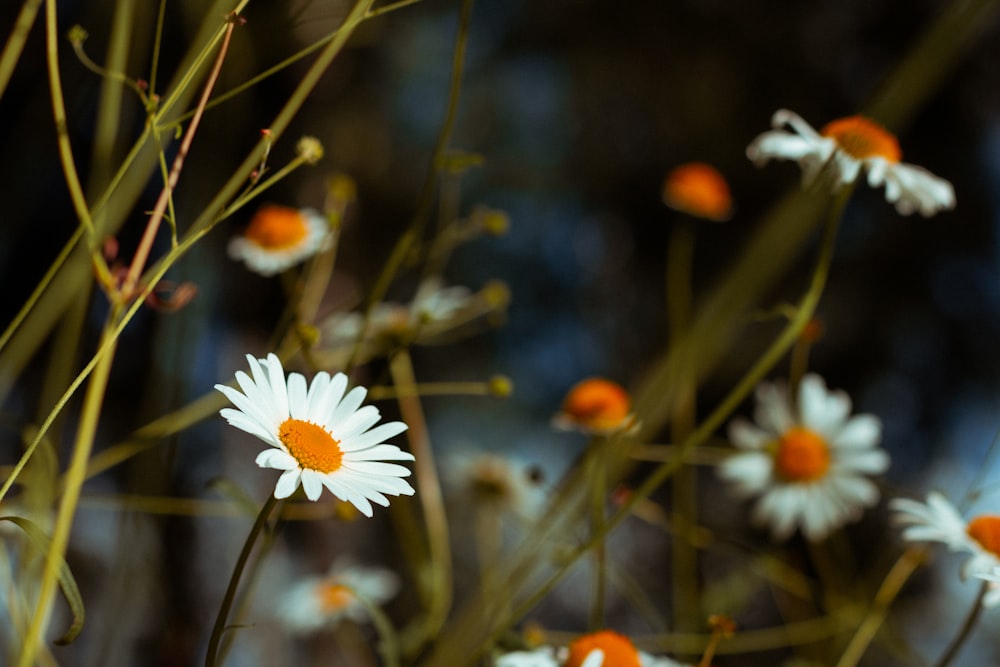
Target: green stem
(234, 581)
(429, 493)
(426, 197)
(684, 489)
(15, 43)
(966, 629)
(87, 428)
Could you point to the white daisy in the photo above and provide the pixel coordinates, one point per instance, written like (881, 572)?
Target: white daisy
(597, 649)
(318, 435)
(279, 237)
(807, 461)
(849, 145)
(315, 602)
(938, 520)
(434, 302)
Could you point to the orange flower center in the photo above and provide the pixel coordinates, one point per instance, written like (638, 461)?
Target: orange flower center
(311, 445)
(986, 531)
(598, 404)
(698, 189)
(277, 228)
(860, 138)
(334, 596)
(802, 456)
(618, 650)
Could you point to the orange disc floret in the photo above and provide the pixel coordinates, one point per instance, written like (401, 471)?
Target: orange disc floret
(802, 456)
(617, 649)
(862, 138)
(698, 189)
(277, 227)
(986, 531)
(597, 404)
(334, 596)
(311, 445)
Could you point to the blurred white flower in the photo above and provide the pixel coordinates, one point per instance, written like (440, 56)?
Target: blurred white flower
(849, 145)
(938, 520)
(315, 603)
(806, 462)
(279, 237)
(597, 649)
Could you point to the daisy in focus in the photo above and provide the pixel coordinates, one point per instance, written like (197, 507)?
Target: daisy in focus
(850, 145)
(806, 460)
(938, 520)
(698, 189)
(596, 406)
(599, 649)
(316, 603)
(319, 435)
(279, 237)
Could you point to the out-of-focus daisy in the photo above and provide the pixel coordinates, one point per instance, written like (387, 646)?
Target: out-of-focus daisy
(599, 649)
(596, 405)
(700, 190)
(849, 145)
(806, 461)
(319, 435)
(434, 302)
(489, 480)
(279, 237)
(314, 603)
(938, 520)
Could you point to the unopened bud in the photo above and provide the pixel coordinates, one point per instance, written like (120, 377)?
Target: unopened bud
(309, 149)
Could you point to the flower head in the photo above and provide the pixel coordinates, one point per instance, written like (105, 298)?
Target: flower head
(938, 520)
(807, 461)
(700, 190)
(319, 436)
(596, 405)
(279, 237)
(317, 602)
(598, 649)
(849, 145)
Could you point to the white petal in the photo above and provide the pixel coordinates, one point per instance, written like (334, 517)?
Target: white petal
(377, 435)
(860, 432)
(298, 402)
(746, 435)
(287, 483)
(351, 402)
(312, 484)
(278, 459)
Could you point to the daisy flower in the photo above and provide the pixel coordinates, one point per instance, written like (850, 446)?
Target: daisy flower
(850, 145)
(318, 602)
(319, 436)
(807, 461)
(599, 649)
(938, 520)
(434, 302)
(700, 190)
(279, 237)
(596, 405)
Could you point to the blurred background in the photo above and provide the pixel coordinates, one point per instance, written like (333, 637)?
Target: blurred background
(579, 108)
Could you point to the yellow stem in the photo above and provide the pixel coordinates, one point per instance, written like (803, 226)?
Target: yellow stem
(89, 416)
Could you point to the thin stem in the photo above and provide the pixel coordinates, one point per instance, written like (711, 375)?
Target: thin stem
(684, 488)
(887, 592)
(87, 428)
(146, 244)
(429, 493)
(234, 581)
(597, 482)
(426, 197)
(15, 43)
(59, 115)
(966, 629)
